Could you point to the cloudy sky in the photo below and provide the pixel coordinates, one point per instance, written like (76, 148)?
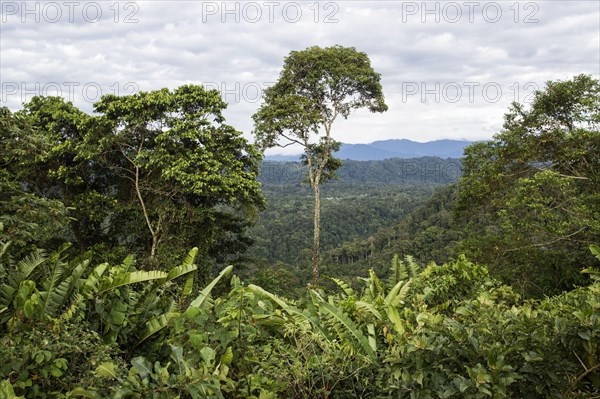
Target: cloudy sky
(449, 69)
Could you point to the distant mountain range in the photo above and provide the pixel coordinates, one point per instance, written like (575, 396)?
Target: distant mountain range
(384, 149)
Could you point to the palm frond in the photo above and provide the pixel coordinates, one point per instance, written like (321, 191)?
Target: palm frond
(23, 269)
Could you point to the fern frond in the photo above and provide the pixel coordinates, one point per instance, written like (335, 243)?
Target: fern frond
(27, 265)
(348, 324)
(24, 268)
(69, 288)
(53, 295)
(363, 306)
(397, 271)
(346, 289)
(412, 267)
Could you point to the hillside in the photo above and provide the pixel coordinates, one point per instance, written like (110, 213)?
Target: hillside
(127, 268)
(394, 171)
(368, 197)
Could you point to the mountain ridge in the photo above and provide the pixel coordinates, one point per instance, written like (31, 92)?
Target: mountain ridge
(392, 148)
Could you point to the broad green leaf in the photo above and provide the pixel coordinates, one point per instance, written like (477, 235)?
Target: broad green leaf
(132, 278)
(227, 357)
(398, 293)
(595, 249)
(394, 317)
(196, 303)
(141, 366)
(82, 393)
(208, 355)
(186, 267)
(156, 324)
(7, 391)
(106, 370)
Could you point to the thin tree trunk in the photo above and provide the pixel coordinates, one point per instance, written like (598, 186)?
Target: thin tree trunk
(153, 233)
(317, 224)
(154, 246)
(314, 177)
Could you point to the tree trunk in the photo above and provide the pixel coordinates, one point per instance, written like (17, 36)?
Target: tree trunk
(153, 232)
(154, 246)
(316, 227)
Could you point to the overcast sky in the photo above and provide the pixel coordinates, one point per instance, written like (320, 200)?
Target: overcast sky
(449, 69)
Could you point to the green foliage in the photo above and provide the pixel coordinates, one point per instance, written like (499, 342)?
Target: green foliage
(7, 391)
(441, 331)
(150, 174)
(58, 306)
(73, 325)
(526, 206)
(349, 212)
(27, 215)
(48, 359)
(428, 231)
(530, 196)
(315, 86)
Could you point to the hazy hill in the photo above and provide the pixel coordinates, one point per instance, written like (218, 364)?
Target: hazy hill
(397, 148)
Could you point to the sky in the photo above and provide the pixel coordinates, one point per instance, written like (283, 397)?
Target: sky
(449, 70)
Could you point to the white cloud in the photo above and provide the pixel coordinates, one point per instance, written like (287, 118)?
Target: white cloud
(424, 51)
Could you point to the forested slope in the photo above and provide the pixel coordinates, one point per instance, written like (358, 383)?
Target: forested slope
(527, 206)
(366, 197)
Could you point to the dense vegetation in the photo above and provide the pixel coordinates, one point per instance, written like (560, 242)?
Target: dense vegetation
(528, 205)
(152, 175)
(116, 231)
(443, 331)
(368, 197)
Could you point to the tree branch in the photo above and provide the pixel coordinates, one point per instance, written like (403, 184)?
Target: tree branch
(292, 141)
(545, 243)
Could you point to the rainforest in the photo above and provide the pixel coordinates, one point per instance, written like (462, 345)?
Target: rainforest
(147, 250)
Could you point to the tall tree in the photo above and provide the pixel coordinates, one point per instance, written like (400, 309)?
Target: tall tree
(59, 174)
(315, 87)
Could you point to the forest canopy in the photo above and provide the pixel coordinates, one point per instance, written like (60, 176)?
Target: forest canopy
(124, 271)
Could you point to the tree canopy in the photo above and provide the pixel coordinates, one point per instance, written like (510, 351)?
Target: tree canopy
(153, 173)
